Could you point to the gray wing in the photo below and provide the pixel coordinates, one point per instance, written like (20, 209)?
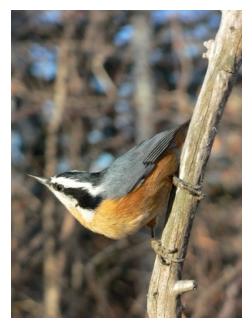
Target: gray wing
(134, 166)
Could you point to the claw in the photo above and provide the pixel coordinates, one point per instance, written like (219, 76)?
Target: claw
(193, 190)
(164, 254)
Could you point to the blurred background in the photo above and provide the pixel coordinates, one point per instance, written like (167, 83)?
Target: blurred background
(86, 86)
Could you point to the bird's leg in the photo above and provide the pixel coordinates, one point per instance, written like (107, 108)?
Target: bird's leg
(155, 244)
(163, 253)
(152, 229)
(193, 190)
(151, 224)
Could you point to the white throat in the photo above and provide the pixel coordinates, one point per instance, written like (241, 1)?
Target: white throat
(72, 205)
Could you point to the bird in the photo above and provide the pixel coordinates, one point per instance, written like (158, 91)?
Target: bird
(131, 193)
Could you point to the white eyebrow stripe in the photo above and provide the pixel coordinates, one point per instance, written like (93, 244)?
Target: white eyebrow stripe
(73, 183)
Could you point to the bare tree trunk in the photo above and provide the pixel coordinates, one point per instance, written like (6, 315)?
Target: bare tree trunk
(143, 98)
(224, 54)
(51, 268)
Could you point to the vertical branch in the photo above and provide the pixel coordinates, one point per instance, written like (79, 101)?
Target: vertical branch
(144, 101)
(224, 55)
(50, 263)
(179, 43)
(99, 51)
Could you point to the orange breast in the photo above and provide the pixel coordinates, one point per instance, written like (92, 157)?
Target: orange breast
(117, 218)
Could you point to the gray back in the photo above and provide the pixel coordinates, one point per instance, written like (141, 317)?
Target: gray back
(134, 166)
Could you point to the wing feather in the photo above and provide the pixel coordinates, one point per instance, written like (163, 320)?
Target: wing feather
(134, 166)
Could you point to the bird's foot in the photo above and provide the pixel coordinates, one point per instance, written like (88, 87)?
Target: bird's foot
(164, 254)
(193, 190)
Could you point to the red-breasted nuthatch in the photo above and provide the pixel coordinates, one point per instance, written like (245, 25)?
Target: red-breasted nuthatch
(128, 195)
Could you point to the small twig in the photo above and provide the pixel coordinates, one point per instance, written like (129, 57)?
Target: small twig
(183, 286)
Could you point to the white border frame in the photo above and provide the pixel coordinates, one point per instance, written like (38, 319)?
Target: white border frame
(5, 217)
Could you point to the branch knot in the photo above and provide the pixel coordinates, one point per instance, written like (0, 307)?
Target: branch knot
(209, 45)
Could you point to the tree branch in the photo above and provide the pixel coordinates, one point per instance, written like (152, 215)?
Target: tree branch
(51, 271)
(224, 55)
(143, 98)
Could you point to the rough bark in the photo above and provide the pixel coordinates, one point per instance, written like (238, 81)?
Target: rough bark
(224, 55)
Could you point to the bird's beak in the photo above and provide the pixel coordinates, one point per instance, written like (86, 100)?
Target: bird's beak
(43, 181)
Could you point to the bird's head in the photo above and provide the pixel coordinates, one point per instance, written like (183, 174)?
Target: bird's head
(78, 190)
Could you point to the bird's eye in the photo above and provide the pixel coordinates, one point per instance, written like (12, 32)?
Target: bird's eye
(59, 187)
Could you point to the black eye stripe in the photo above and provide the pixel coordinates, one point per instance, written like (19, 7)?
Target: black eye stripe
(58, 187)
(83, 198)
